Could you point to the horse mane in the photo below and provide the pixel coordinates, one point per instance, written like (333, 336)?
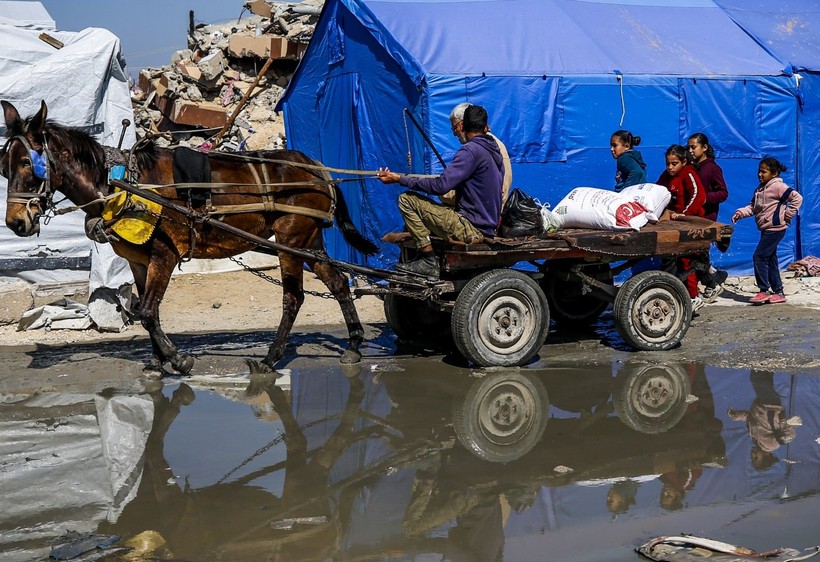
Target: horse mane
(146, 153)
(86, 152)
(91, 155)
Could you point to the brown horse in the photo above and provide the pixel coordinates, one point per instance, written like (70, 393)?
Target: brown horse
(41, 157)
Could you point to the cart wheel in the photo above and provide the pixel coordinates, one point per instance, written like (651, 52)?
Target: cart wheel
(416, 320)
(652, 311)
(568, 306)
(651, 398)
(500, 318)
(502, 416)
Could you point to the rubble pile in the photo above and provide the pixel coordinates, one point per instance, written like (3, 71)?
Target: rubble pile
(221, 91)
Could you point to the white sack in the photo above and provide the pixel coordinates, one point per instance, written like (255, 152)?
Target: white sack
(589, 207)
(651, 195)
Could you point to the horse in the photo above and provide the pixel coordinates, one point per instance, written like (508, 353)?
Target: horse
(297, 196)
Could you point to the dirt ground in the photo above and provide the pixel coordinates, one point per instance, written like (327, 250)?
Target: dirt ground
(223, 317)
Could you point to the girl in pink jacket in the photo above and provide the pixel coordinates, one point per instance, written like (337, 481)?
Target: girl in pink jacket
(774, 205)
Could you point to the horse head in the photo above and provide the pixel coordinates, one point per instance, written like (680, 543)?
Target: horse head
(40, 158)
(23, 162)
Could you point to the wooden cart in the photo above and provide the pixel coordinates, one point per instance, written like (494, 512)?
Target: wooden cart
(499, 314)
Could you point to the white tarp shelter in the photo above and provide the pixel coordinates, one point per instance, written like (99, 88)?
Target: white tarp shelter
(85, 85)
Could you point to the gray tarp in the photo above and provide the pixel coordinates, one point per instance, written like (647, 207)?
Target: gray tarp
(84, 85)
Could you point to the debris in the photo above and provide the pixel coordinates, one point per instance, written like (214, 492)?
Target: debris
(61, 314)
(82, 544)
(688, 548)
(228, 81)
(807, 267)
(287, 524)
(561, 469)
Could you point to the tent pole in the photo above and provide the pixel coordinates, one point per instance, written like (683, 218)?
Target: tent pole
(425, 137)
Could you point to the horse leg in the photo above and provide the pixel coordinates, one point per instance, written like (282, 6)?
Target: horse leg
(140, 273)
(156, 283)
(292, 298)
(336, 283)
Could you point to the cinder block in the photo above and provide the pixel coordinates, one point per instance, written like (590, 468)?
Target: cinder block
(15, 299)
(46, 293)
(264, 46)
(199, 114)
(212, 65)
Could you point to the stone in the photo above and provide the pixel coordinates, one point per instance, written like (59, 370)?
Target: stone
(15, 299)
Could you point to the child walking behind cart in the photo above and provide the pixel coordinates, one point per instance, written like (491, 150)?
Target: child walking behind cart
(774, 205)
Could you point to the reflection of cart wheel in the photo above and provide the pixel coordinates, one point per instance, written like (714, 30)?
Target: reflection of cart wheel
(652, 311)
(569, 307)
(501, 318)
(502, 416)
(651, 398)
(416, 320)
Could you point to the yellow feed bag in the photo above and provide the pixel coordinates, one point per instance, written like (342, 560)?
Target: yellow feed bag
(135, 217)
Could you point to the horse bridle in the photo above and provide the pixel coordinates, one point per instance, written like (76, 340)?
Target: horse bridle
(43, 196)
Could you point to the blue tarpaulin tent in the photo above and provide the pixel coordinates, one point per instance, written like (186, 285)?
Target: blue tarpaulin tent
(789, 31)
(557, 78)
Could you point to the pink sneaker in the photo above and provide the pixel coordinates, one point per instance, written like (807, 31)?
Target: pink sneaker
(761, 298)
(777, 298)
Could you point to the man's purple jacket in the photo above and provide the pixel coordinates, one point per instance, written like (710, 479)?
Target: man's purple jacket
(475, 173)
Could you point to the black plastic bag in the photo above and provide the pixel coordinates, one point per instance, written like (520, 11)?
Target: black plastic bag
(521, 216)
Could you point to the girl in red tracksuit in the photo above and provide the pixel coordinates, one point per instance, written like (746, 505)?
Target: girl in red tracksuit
(688, 196)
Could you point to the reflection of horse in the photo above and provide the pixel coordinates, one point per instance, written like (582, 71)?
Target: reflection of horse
(302, 523)
(290, 200)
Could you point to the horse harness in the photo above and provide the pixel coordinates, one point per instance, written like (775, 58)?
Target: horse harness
(267, 204)
(42, 171)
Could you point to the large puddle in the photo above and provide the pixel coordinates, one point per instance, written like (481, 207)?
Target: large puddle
(413, 460)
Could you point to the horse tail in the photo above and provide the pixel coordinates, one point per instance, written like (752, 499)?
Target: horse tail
(341, 213)
(349, 231)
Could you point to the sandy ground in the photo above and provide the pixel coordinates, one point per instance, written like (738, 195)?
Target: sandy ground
(223, 318)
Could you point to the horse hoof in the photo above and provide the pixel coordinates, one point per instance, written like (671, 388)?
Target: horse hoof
(183, 364)
(349, 357)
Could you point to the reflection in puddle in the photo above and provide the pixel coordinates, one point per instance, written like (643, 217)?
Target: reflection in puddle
(408, 463)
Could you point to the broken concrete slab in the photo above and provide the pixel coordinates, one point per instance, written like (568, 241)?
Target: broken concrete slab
(15, 299)
(198, 114)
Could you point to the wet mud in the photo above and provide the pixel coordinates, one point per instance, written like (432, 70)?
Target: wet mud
(410, 457)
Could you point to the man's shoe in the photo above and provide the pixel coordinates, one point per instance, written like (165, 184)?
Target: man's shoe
(710, 294)
(697, 304)
(761, 298)
(777, 298)
(425, 266)
(720, 277)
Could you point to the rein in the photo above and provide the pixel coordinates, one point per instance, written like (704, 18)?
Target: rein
(43, 197)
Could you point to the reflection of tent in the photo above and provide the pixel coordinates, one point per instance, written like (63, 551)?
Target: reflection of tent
(68, 472)
(557, 76)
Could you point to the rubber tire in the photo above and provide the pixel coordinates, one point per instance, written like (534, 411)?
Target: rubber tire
(568, 307)
(651, 398)
(652, 311)
(479, 314)
(416, 320)
(502, 416)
